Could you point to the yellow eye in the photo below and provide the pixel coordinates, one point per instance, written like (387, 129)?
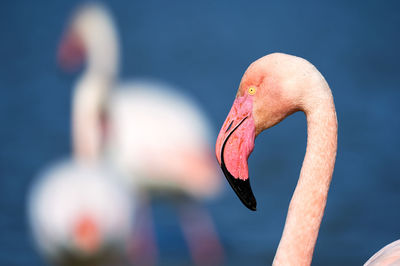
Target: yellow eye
(252, 90)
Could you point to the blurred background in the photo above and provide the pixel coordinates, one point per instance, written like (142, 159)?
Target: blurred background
(203, 49)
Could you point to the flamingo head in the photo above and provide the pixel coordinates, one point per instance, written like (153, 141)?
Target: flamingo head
(264, 98)
(89, 31)
(71, 51)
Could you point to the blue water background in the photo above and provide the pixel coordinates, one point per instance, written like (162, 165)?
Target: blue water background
(203, 47)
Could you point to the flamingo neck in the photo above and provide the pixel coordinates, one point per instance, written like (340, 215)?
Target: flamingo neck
(309, 198)
(102, 58)
(88, 110)
(101, 43)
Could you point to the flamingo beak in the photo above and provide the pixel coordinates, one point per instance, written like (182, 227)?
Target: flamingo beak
(87, 234)
(234, 145)
(71, 51)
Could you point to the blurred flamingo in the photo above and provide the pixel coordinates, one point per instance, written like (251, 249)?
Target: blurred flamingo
(80, 215)
(155, 136)
(272, 88)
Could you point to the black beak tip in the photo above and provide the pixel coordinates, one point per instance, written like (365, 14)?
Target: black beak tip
(252, 205)
(243, 190)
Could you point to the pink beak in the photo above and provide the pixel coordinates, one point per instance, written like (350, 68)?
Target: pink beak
(71, 51)
(87, 234)
(234, 145)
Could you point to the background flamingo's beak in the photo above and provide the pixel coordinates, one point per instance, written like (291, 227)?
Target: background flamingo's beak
(71, 51)
(87, 234)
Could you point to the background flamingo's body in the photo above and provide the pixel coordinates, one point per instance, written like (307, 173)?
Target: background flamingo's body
(161, 138)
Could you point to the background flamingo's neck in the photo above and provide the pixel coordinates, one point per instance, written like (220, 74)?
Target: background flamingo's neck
(102, 52)
(91, 92)
(309, 199)
(89, 103)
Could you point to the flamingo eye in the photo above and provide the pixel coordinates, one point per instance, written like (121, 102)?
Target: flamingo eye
(252, 90)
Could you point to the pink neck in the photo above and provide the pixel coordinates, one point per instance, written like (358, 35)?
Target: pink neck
(309, 199)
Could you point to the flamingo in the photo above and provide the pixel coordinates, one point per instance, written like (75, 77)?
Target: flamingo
(155, 136)
(80, 215)
(272, 88)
